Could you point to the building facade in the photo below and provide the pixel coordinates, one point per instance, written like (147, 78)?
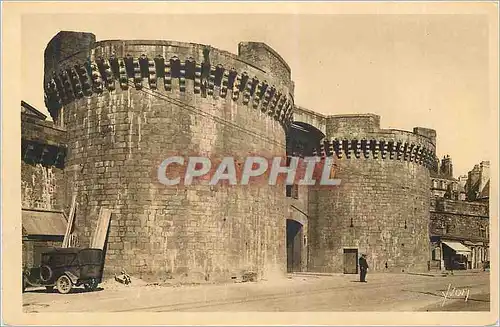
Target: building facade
(125, 106)
(459, 233)
(459, 227)
(477, 187)
(43, 152)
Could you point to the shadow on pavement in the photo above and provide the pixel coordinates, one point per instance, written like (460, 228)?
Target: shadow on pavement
(73, 290)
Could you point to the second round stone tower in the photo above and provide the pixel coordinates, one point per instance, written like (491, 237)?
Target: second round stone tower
(381, 207)
(129, 105)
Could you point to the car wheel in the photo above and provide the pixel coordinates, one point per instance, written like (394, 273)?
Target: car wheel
(64, 284)
(45, 273)
(91, 285)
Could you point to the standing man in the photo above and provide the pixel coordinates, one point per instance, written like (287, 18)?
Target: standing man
(363, 267)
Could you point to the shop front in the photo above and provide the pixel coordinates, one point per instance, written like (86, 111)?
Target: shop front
(456, 256)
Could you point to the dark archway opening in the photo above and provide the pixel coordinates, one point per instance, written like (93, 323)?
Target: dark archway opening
(293, 245)
(302, 139)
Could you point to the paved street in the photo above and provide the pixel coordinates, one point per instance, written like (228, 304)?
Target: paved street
(480, 302)
(298, 292)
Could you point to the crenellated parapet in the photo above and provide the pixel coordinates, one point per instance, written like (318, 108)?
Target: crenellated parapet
(166, 68)
(33, 152)
(356, 136)
(385, 149)
(41, 141)
(359, 136)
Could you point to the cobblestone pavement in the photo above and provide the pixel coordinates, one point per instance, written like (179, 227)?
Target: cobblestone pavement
(298, 292)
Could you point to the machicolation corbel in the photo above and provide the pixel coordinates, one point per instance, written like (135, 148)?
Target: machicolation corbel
(83, 80)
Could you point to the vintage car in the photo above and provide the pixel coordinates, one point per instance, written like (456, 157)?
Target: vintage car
(64, 268)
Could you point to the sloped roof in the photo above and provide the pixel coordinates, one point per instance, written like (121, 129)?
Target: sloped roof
(485, 192)
(29, 110)
(41, 222)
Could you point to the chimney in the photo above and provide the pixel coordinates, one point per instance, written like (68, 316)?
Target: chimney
(446, 167)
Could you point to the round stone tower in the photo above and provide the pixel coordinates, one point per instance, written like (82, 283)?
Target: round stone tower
(381, 207)
(129, 105)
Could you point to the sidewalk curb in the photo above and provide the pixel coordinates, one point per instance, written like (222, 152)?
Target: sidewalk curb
(305, 273)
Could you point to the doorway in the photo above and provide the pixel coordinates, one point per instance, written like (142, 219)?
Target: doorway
(293, 245)
(350, 261)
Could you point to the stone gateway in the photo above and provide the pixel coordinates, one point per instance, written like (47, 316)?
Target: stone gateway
(120, 108)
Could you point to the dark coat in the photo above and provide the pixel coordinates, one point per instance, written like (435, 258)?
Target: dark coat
(362, 263)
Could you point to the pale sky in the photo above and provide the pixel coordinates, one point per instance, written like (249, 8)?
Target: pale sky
(412, 70)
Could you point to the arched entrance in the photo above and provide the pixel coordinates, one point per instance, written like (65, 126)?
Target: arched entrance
(302, 139)
(294, 246)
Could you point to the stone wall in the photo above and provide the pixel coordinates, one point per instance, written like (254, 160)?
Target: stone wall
(381, 206)
(268, 60)
(459, 220)
(42, 187)
(337, 125)
(125, 114)
(42, 163)
(64, 50)
(310, 117)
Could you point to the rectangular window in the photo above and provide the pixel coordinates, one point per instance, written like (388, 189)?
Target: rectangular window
(292, 191)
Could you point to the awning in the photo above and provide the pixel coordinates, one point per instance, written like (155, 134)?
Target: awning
(38, 222)
(459, 248)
